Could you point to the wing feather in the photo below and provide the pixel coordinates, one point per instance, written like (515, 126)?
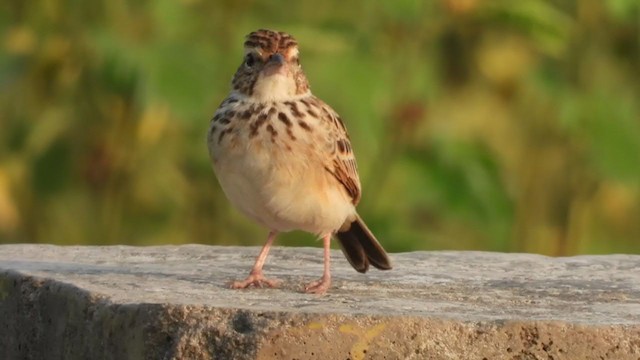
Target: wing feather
(341, 162)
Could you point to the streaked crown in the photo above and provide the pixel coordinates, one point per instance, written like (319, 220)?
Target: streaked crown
(269, 42)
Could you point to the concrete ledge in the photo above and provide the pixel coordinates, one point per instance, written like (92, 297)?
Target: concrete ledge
(171, 302)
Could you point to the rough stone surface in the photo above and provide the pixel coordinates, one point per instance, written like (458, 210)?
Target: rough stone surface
(171, 302)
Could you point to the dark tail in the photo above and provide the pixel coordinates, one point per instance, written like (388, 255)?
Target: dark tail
(361, 248)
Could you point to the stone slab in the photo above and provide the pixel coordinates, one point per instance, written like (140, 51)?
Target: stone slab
(172, 302)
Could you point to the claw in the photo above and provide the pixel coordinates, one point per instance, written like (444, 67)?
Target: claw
(319, 286)
(257, 280)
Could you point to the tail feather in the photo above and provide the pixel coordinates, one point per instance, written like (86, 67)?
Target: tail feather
(361, 248)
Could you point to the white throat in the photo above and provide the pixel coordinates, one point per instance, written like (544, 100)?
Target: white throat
(276, 87)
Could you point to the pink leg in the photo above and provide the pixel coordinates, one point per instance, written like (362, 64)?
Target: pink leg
(322, 285)
(256, 277)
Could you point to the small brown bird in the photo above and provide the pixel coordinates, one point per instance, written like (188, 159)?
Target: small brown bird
(283, 157)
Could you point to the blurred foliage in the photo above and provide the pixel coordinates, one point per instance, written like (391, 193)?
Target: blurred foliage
(498, 125)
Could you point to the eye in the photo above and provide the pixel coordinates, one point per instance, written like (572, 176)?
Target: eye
(250, 60)
(296, 60)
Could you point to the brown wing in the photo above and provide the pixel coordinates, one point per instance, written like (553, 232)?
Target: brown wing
(341, 162)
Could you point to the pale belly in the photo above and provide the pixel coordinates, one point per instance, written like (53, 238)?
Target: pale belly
(282, 189)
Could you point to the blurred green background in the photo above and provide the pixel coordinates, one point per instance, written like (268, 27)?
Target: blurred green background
(485, 125)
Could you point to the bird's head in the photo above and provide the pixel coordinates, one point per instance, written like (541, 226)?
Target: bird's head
(270, 70)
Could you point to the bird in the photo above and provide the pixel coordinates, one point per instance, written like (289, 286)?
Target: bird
(284, 159)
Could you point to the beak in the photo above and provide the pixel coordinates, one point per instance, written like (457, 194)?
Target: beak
(275, 65)
(276, 58)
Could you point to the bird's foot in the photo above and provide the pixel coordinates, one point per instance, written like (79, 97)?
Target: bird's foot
(319, 286)
(257, 280)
